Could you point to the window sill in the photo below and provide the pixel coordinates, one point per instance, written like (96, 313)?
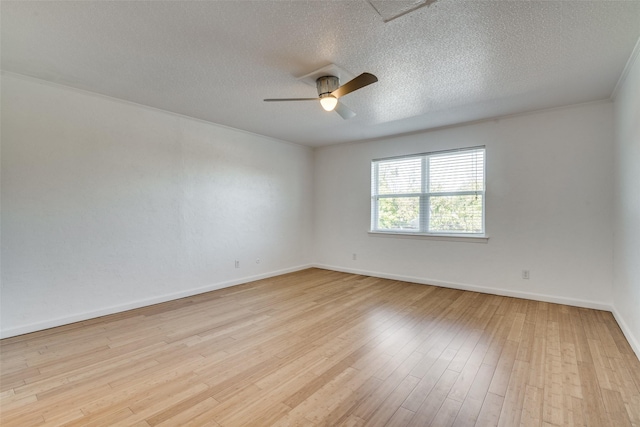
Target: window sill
(445, 237)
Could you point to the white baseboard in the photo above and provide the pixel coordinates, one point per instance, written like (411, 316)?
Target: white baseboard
(467, 287)
(633, 342)
(39, 326)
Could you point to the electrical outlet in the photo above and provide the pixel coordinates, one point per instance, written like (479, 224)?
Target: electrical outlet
(237, 264)
(525, 274)
(355, 257)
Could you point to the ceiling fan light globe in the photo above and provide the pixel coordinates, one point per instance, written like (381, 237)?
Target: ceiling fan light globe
(329, 103)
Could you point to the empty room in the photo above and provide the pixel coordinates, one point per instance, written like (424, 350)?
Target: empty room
(320, 213)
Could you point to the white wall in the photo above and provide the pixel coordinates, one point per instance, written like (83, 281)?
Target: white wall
(108, 205)
(626, 249)
(548, 203)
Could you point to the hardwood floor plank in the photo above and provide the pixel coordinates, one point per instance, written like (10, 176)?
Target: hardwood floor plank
(428, 382)
(514, 397)
(474, 398)
(594, 410)
(447, 413)
(490, 411)
(393, 402)
(504, 368)
(353, 421)
(368, 406)
(323, 348)
(400, 418)
(628, 390)
(431, 405)
(614, 405)
(532, 407)
(553, 410)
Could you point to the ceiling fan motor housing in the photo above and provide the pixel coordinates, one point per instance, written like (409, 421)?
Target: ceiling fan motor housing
(326, 85)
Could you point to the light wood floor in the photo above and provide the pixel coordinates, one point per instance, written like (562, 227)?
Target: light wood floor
(324, 348)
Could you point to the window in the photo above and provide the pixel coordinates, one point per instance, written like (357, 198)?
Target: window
(432, 193)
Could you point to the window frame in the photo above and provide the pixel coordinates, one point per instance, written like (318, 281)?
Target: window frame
(424, 198)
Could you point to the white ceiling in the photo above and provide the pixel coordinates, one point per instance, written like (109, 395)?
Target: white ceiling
(449, 62)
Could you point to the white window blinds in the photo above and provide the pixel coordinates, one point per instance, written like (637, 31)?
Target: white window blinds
(429, 193)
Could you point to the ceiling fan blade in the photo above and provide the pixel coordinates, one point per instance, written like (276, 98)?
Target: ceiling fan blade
(344, 111)
(359, 82)
(290, 99)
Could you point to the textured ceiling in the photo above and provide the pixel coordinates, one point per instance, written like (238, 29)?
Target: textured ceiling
(449, 62)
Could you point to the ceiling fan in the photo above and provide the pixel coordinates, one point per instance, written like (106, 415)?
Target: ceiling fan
(329, 91)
